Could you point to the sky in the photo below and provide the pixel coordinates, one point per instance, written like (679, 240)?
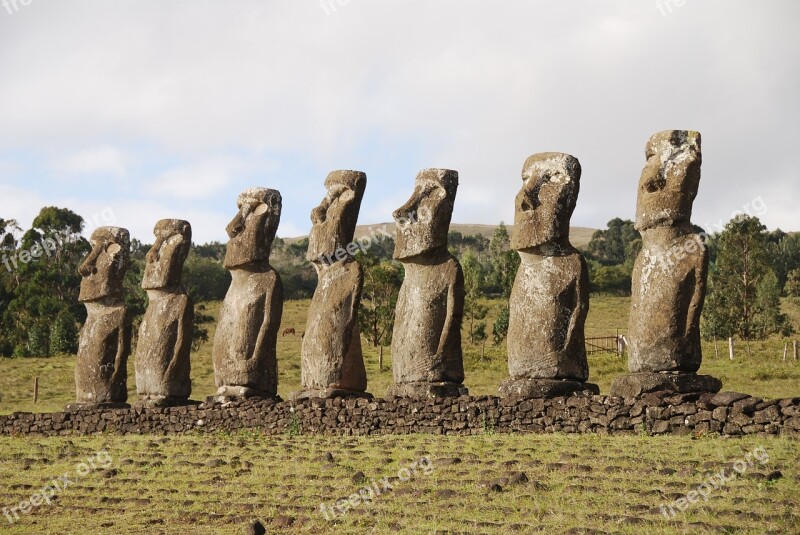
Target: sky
(128, 112)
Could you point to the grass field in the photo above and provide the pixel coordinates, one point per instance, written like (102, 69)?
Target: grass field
(763, 374)
(220, 483)
(213, 484)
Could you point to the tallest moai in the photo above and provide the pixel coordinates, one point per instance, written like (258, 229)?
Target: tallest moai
(669, 277)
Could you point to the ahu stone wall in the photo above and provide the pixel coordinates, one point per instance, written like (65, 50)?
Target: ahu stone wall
(726, 413)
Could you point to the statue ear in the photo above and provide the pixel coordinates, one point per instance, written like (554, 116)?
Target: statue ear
(175, 239)
(113, 248)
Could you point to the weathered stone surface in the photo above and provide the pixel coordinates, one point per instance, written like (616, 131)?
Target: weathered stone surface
(550, 298)
(636, 384)
(245, 344)
(427, 389)
(101, 369)
(723, 399)
(669, 276)
(426, 343)
(544, 388)
(443, 416)
(331, 358)
(165, 336)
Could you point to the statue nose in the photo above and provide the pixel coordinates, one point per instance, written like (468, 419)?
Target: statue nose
(87, 269)
(318, 215)
(235, 226)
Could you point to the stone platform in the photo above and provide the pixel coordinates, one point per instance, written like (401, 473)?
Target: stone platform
(726, 413)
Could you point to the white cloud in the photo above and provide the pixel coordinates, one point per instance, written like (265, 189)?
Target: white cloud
(107, 161)
(201, 180)
(473, 85)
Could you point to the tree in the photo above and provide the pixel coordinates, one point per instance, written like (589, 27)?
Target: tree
(382, 281)
(742, 285)
(792, 287)
(199, 332)
(205, 278)
(504, 262)
(64, 334)
(8, 283)
(38, 344)
(135, 296)
(474, 281)
(767, 317)
(47, 280)
(784, 251)
(611, 279)
(297, 275)
(479, 336)
(500, 327)
(611, 247)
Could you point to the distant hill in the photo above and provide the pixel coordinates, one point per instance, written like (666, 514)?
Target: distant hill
(579, 236)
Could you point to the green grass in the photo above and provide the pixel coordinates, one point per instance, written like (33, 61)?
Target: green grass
(763, 374)
(166, 485)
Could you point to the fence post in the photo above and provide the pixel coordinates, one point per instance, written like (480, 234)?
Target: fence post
(35, 389)
(785, 350)
(795, 349)
(730, 346)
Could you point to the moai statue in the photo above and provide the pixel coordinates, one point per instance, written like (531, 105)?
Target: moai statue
(426, 343)
(245, 344)
(165, 336)
(669, 276)
(550, 298)
(101, 369)
(332, 363)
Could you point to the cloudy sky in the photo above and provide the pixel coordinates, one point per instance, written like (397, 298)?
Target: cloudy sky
(152, 109)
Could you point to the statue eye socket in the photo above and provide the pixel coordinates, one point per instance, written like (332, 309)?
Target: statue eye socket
(656, 185)
(113, 249)
(260, 209)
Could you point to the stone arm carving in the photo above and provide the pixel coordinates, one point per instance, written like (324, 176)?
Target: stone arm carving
(355, 301)
(123, 350)
(455, 302)
(273, 311)
(698, 296)
(182, 343)
(579, 312)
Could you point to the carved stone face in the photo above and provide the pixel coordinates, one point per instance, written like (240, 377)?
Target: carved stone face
(253, 228)
(544, 205)
(165, 259)
(104, 269)
(423, 222)
(334, 220)
(670, 180)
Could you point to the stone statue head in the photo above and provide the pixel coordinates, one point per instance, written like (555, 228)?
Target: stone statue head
(544, 205)
(670, 180)
(334, 220)
(423, 221)
(164, 263)
(253, 228)
(104, 269)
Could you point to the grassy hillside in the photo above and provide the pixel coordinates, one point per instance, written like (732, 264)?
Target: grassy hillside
(764, 374)
(579, 236)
